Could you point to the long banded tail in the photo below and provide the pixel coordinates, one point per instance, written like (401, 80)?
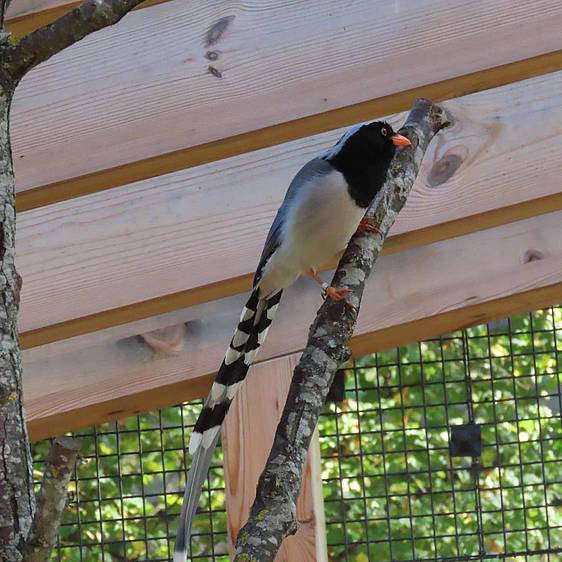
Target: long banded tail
(251, 332)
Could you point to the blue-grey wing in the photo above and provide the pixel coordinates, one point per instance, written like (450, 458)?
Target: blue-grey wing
(311, 171)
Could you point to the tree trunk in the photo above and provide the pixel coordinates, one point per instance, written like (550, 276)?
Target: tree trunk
(17, 501)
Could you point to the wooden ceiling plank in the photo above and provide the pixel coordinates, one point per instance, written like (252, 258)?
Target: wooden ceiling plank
(284, 132)
(458, 282)
(194, 236)
(165, 88)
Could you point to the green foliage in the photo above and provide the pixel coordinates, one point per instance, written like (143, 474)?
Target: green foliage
(392, 491)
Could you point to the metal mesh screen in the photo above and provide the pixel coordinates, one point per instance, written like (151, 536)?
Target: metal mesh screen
(445, 450)
(125, 498)
(390, 474)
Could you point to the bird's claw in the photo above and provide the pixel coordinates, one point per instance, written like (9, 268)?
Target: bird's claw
(367, 225)
(337, 295)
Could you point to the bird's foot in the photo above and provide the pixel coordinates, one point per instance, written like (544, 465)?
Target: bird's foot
(337, 295)
(331, 292)
(368, 225)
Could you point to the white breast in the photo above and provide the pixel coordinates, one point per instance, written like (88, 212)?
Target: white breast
(322, 219)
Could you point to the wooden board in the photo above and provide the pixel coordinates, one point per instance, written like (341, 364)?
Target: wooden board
(412, 294)
(275, 134)
(150, 88)
(195, 235)
(247, 436)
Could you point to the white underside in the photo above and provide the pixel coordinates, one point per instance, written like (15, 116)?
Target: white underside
(322, 219)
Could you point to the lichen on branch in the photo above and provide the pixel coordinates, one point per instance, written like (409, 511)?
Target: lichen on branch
(52, 499)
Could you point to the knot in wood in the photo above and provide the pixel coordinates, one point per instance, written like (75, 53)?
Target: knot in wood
(444, 169)
(532, 255)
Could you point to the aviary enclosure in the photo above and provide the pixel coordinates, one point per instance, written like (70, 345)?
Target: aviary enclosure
(150, 158)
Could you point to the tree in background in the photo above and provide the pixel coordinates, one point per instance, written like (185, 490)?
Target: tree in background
(28, 528)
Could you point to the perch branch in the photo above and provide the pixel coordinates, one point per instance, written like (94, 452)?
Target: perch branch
(273, 514)
(52, 500)
(41, 44)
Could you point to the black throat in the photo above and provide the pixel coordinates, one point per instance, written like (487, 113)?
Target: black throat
(364, 172)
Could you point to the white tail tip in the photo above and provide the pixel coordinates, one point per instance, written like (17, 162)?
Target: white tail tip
(194, 443)
(180, 556)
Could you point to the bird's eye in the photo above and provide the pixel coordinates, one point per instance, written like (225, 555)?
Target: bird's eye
(384, 132)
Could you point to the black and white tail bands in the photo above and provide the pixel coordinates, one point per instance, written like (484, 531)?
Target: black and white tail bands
(251, 332)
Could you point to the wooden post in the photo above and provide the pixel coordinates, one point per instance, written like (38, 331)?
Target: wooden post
(247, 436)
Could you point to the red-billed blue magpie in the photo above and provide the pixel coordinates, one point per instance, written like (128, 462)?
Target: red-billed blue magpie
(324, 205)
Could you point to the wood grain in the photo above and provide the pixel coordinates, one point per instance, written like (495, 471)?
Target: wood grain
(413, 294)
(247, 436)
(149, 92)
(86, 264)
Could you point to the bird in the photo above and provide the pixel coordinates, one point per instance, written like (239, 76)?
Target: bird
(324, 205)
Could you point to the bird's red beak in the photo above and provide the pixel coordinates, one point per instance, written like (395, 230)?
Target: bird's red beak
(400, 140)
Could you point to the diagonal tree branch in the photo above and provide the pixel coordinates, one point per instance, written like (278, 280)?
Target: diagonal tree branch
(52, 500)
(273, 515)
(41, 44)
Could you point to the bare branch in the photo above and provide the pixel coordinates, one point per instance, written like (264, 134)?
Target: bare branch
(273, 515)
(41, 44)
(52, 500)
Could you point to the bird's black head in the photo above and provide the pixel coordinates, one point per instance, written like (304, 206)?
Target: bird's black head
(363, 156)
(366, 145)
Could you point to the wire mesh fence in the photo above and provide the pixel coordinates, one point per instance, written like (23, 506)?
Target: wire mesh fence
(449, 449)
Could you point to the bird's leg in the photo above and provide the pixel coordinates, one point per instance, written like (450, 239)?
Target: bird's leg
(367, 224)
(314, 274)
(328, 290)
